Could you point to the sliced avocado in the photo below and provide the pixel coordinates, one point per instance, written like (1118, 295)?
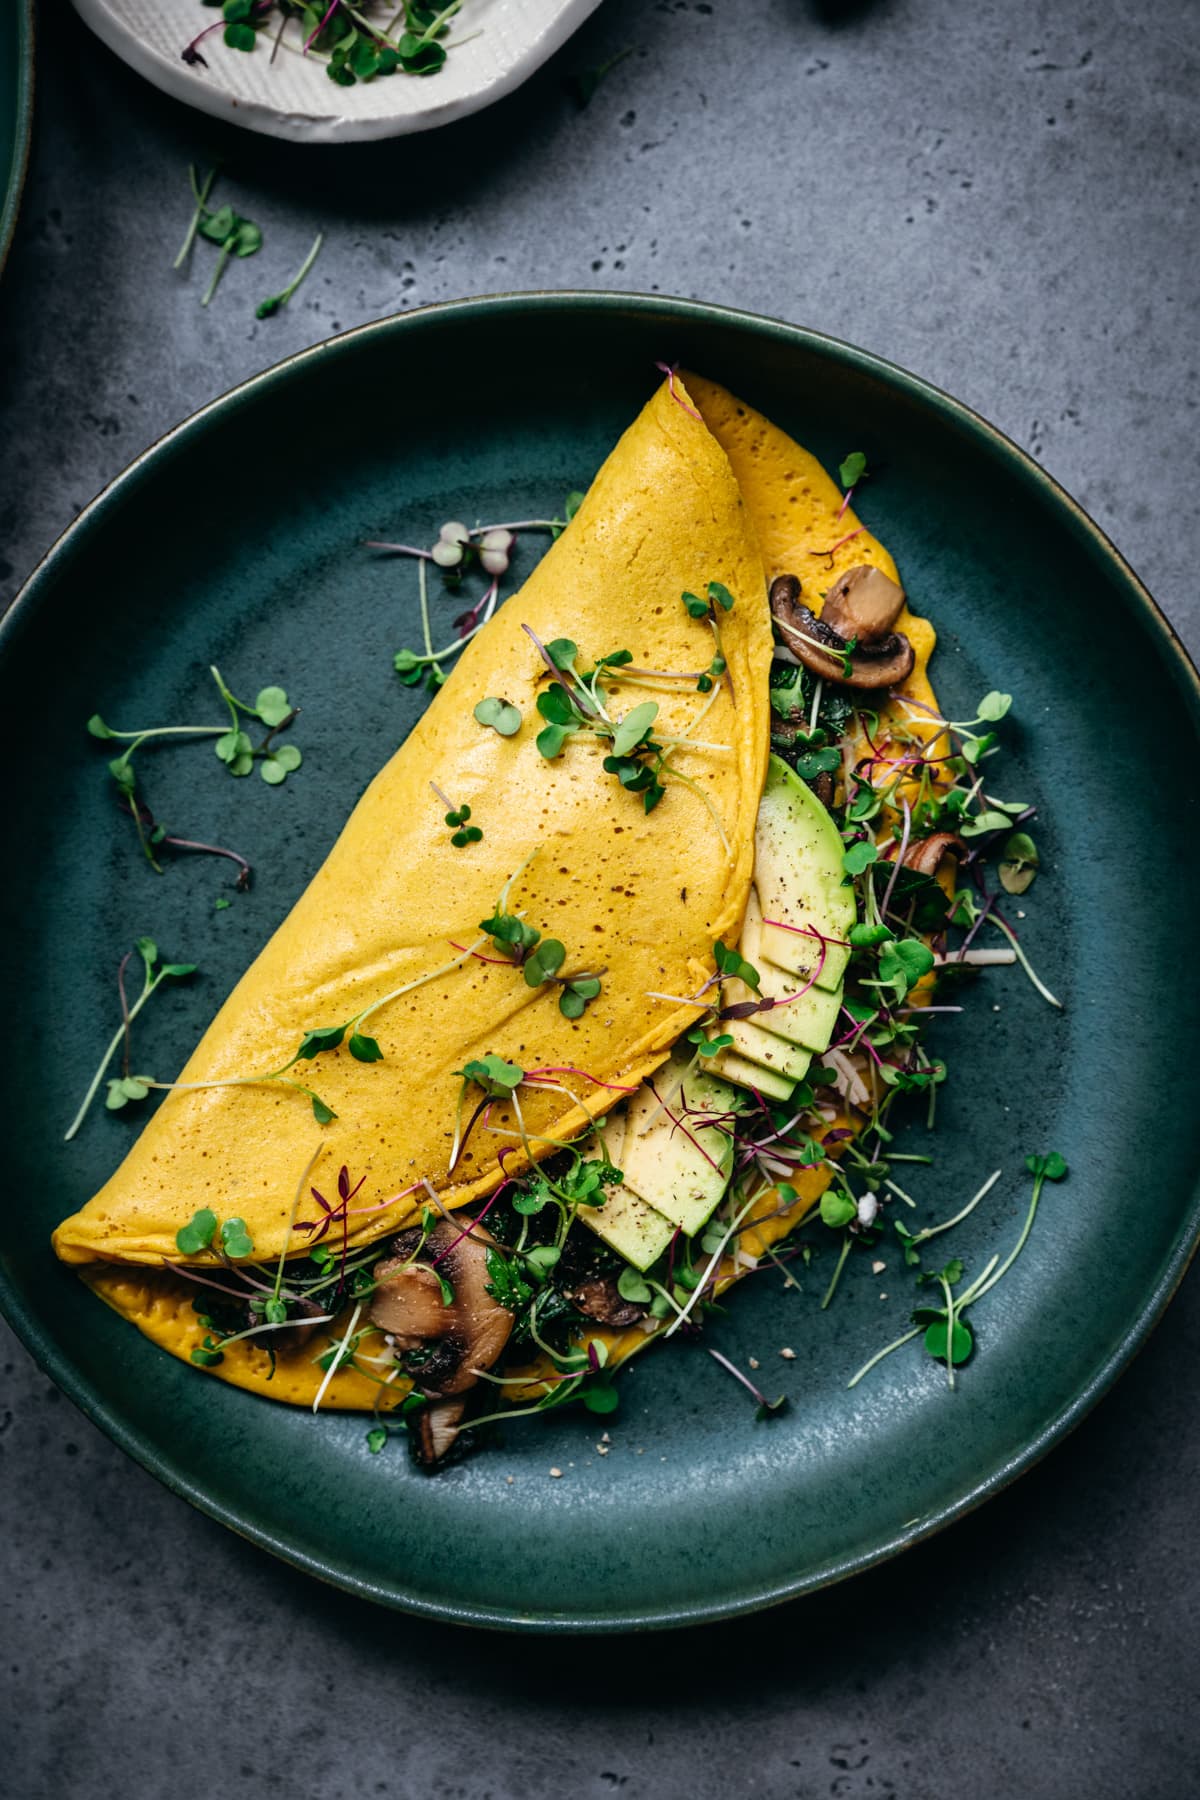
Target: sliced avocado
(732, 1067)
(808, 1020)
(678, 1165)
(626, 1222)
(800, 880)
(768, 1051)
(632, 1228)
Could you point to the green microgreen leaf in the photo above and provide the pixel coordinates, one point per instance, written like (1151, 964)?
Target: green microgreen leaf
(316, 1042)
(837, 1208)
(197, 1234)
(709, 1046)
(994, 706)
(732, 964)
(364, 1049)
(962, 1343)
(543, 1258)
(852, 469)
(324, 1115)
(236, 1239)
(811, 763)
(1018, 864)
(633, 1287)
(267, 308)
(562, 652)
(1051, 1167)
(493, 1075)
(377, 1437)
(720, 593)
(551, 739)
(272, 705)
(600, 1396)
(545, 962)
(577, 996)
(697, 607)
(859, 857)
(988, 820)
(864, 937)
(508, 932)
(500, 715)
(903, 962)
(635, 727)
(555, 704)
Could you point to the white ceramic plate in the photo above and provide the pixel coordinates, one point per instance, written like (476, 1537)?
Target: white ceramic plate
(504, 41)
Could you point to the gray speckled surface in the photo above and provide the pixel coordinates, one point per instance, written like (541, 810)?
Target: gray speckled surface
(998, 197)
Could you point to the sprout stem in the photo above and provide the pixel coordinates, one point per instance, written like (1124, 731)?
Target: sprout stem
(1043, 990)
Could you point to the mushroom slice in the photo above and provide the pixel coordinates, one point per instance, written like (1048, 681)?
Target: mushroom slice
(877, 664)
(805, 634)
(460, 1338)
(864, 603)
(601, 1299)
(926, 854)
(433, 1430)
(882, 664)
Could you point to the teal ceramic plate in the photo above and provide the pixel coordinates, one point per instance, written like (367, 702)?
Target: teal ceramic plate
(16, 111)
(238, 539)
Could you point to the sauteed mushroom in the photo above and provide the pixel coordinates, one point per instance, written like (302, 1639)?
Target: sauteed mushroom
(443, 1345)
(600, 1298)
(876, 662)
(926, 854)
(864, 603)
(434, 1429)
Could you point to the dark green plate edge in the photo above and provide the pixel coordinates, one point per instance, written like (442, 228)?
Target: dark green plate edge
(18, 26)
(1027, 473)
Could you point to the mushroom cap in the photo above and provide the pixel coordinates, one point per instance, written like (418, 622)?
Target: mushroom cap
(926, 854)
(462, 1337)
(877, 664)
(864, 603)
(600, 1298)
(433, 1430)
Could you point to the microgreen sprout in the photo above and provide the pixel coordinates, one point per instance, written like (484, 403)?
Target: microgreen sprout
(1019, 862)
(576, 704)
(457, 549)
(850, 472)
(946, 1336)
(233, 747)
(233, 235)
(266, 309)
(500, 715)
(126, 1087)
(462, 833)
(766, 1409)
(731, 964)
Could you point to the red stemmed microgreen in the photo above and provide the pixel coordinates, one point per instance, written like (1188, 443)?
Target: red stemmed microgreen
(670, 370)
(850, 473)
(766, 1409)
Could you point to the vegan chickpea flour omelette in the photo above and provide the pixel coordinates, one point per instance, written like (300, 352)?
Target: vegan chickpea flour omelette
(500, 1104)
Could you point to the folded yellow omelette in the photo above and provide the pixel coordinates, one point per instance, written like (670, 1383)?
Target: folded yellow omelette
(700, 489)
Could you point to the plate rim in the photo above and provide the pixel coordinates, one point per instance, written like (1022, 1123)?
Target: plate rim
(217, 102)
(81, 1389)
(23, 138)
